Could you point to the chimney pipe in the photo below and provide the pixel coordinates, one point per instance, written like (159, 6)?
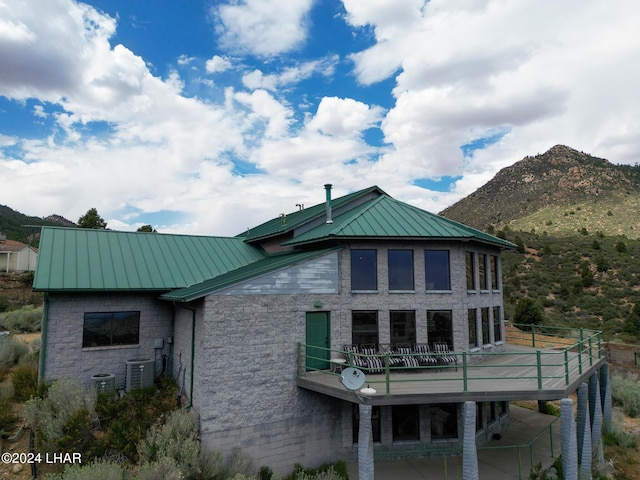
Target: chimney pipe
(327, 188)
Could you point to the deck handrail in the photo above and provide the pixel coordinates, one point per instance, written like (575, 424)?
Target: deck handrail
(582, 348)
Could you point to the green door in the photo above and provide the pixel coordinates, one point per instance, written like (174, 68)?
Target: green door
(317, 336)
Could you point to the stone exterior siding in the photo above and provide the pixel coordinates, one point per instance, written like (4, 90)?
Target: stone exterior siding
(623, 357)
(64, 353)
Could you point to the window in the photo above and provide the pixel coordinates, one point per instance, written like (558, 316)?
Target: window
(472, 319)
(490, 412)
(106, 329)
(471, 270)
(501, 408)
(497, 326)
(400, 269)
(482, 270)
(637, 359)
(364, 327)
(484, 320)
(375, 422)
(364, 270)
(444, 421)
(403, 327)
(436, 270)
(494, 272)
(440, 327)
(405, 420)
(479, 419)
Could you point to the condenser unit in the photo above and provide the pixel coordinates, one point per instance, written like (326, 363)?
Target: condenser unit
(140, 373)
(104, 382)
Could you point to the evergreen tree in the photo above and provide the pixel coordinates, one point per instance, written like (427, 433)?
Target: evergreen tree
(92, 219)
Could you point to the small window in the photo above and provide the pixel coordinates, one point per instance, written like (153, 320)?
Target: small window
(497, 325)
(444, 421)
(106, 329)
(364, 270)
(364, 327)
(403, 327)
(482, 270)
(400, 269)
(471, 270)
(405, 422)
(440, 327)
(472, 317)
(494, 272)
(637, 359)
(484, 320)
(436, 266)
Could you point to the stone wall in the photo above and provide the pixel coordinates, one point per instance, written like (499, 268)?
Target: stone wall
(65, 355)
(623, 356)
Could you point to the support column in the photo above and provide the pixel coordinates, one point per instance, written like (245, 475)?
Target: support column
(568, 440)
(605, 394)
(596, 424)
(584, 433)
(469, 450)
(365, 444)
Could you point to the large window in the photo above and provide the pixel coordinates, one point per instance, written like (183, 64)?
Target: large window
(494, 272)
(400, 269)
(472, 319)
(482, 270)
(106, 329)
(405, 420)
(364, 327)
(497, 326)
(440, 327)
(471, 270)
(444, 421)
(364, 270)
(403, 326)
(436, 270)
(484, 320)
(375, 422)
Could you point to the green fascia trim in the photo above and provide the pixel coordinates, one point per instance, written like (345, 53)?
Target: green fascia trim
(295, 219)
(88, 260)
(257, 269)
(388, 218)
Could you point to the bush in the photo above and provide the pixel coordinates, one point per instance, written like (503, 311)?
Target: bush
(26, 319)
(25, 381)
(11, 350)
(97, 470)
(8, 419)
(625, 391)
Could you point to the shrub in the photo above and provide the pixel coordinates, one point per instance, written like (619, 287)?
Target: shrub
(8, 419)
(11, 350)
(26, 319)
(625, 391)
(25, 381)
(97, 470)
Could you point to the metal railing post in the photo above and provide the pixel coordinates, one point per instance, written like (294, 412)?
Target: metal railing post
(539, 361)
(566, 365)
(581, 341)
(464, 372)
(387, 373)
(533, 336)
(590, 351)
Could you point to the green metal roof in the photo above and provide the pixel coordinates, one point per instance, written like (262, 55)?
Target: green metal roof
(386, 217)
(86, 259)
(295, 219)
(261, 267)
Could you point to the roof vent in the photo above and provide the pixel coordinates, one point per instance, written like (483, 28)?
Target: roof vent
(327, 188)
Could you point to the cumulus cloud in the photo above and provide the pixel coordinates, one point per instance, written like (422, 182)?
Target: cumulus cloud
(217, 64)
(263, 27)
(290, 75)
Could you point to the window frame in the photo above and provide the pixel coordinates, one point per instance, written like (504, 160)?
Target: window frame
(470, 268)
(485, 325)
(410, 326)
(112, 320)
(398, 275)
(436, 271)
(497, 324)
(432, 322)
(482, 271)
(364, 275)
(365, 335)
(473, 327)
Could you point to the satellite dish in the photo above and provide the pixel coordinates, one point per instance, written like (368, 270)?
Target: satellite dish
(352, 378)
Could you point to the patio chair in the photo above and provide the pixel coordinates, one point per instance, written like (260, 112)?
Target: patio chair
(408, 359)
(374, 363)
(426, 358)
(394, 361)
(354, 358)
(444, 355)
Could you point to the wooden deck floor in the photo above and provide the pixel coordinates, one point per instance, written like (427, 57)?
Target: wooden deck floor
(519, 373)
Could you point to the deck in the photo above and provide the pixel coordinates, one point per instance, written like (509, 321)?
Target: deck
(517, 372)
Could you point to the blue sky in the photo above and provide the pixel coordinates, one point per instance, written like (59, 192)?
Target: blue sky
(207, 117)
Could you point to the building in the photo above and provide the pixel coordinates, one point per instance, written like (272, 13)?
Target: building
(252, 326)
(16, 256)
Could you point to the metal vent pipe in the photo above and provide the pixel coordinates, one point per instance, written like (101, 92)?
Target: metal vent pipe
(327, 188)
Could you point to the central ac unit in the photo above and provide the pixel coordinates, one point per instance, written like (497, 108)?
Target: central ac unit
(104, 382)
(140, 373)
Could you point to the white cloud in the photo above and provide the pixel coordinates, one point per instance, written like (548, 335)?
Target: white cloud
(263, 27)
(217, 64)
(344, 117)
(290, 75)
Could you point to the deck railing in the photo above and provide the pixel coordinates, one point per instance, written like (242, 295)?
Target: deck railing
(550, 354)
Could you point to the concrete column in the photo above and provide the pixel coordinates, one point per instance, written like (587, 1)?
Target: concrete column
(605, 394)
(365, 444)
(568, 440)
(584, 433)
(469, 450)
(596, 425)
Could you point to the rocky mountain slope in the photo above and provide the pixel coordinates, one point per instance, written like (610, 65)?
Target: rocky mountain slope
(561, 192)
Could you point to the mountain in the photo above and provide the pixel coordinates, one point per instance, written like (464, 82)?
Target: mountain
(26, 229)
(561, 192)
